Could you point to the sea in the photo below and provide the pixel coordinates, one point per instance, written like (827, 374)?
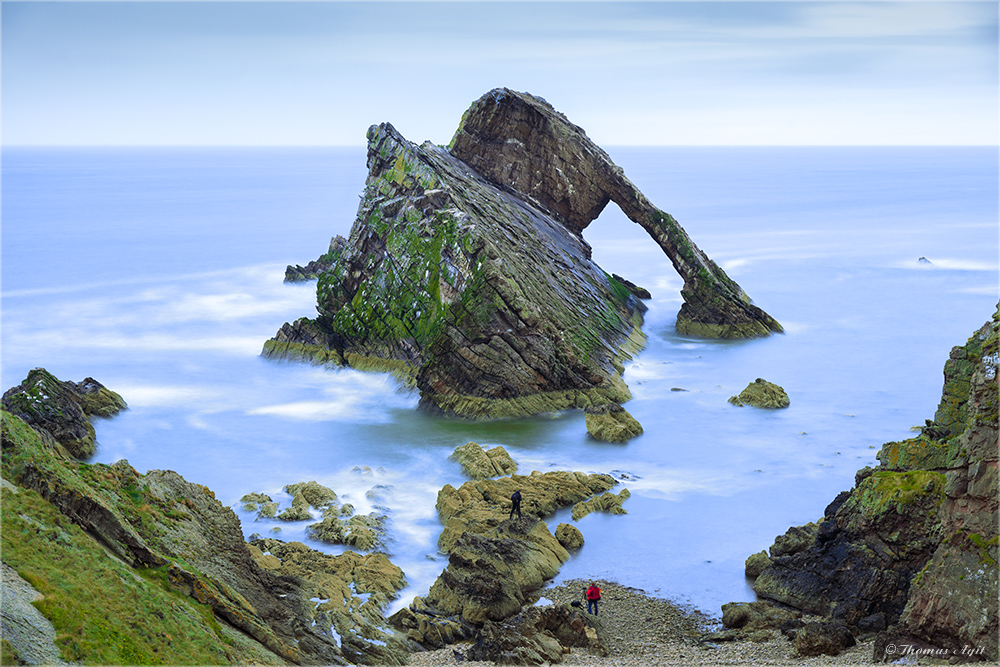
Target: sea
(159, 272)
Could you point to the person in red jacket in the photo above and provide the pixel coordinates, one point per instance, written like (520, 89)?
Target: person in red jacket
(593, 596)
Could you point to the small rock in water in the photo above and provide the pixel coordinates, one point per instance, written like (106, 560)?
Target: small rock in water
(761, 394)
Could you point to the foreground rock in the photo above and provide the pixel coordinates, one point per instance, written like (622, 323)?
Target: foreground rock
(159, 525)
(761, 394)
(540, 635)
(465, 273)
(61, 409)
(496, 564)
(911, 550)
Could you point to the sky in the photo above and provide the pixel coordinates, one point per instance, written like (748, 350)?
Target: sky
(644, 73)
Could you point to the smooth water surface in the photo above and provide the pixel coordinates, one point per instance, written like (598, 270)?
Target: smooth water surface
(159, 273)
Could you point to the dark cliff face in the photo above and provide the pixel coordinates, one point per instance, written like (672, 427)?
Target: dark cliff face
(466, 274)
(914, 544)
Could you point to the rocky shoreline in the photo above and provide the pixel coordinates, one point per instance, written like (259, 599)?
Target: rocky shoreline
(646, 630)
(902, 566)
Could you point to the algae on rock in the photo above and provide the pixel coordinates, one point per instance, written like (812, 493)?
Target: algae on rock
(761, 394)
(475, 285)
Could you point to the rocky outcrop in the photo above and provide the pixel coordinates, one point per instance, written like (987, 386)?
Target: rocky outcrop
(606, 502)
(160, 523)
(911, 550)
(481, 506)
(315, 268)
(569, 536)
(496, 564)
(346, 596)
(518, 140)
(761, 394)
(539, 635)
(611, 423)
(478, 463)
(465, 273)
(61, 409)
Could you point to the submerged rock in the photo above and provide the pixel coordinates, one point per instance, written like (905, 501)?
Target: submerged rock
(761, 394)
(465, 273)
(611, 423)
(61, 409)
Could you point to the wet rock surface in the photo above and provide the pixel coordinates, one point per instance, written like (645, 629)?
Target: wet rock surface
(761, 394)
(61, 409)
(465, 273)
(611, 423)
(478, 463)
(911, 551)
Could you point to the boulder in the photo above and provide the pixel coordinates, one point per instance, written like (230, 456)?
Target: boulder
(61, 409)
(465, 273)
(569, 536)
(823, 638)
(611, 423)
(606, 502)
(757, 615)
(761, 394)
(365, 532)
(315, 494)
(756, 564)
(538, 636)
(483, 464)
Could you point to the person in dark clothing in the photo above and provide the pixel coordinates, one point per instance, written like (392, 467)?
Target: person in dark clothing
(593, 596)
(515, 504)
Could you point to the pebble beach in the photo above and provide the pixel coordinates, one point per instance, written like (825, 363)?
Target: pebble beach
(646, 630)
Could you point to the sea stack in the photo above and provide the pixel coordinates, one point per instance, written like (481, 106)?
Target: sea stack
(466, 273)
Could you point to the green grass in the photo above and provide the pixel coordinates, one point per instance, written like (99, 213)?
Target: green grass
(102, 611)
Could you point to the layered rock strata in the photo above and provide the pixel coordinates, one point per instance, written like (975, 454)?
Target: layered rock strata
(61, 409)
(466, 275)
(911, 550)
(520, 141)
(478, 463)
(160, 526)
(496, 564)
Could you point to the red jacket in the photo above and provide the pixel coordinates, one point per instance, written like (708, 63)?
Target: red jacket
(593, 593)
